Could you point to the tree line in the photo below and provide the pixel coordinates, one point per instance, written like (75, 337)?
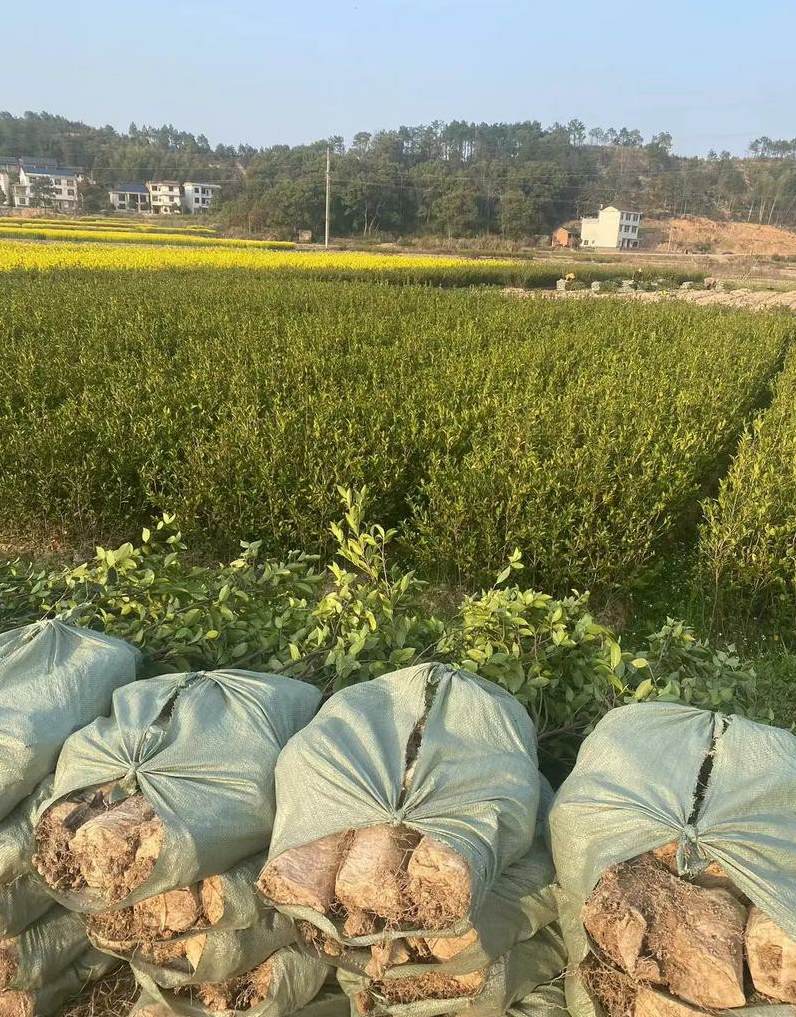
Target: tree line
(460, 178)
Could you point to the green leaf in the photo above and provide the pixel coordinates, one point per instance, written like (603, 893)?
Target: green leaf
(645, 689)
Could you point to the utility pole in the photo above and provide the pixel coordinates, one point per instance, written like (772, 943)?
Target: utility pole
(328, 191)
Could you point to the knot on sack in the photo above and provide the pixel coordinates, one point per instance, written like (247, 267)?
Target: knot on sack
(127, 786)
(689, 856)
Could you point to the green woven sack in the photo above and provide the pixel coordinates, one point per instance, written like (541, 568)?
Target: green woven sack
(635, 787)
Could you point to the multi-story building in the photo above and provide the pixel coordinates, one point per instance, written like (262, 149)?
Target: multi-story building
(165, 197)
(43, 185)
(611, 227)
(129, 198)
(198, 197)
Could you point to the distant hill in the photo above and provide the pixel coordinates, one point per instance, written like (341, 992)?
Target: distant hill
(516, 180)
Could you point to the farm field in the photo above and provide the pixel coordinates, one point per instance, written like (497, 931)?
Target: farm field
(173, 224)
(586, 433)
(160, 255)
(113, 235)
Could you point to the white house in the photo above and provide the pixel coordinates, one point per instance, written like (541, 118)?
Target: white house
(129, 197)
(62, 182)
(611, 227)
(165, 197)
(199, 197)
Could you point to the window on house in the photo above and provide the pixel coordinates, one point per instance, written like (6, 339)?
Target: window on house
(196, 200)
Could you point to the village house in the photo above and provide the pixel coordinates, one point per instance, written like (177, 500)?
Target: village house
(165, 197)
(198, 197)
(44, 185)
(129, 198)
(611, 227)
(567, 235)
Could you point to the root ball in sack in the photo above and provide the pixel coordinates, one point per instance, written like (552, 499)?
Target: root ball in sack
(400, 805)
(490, 991)
(674, 840)
(276, 987)
(175, 786)
(226, 900)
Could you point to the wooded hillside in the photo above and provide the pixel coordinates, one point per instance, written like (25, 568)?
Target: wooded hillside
(457, 178)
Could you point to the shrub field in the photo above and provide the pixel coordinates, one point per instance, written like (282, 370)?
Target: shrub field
(749, 535)
(585, 433)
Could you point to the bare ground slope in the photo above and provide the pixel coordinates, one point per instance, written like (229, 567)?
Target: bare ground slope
(693, 233)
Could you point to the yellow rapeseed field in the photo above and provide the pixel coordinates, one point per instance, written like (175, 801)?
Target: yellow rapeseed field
(163, 255)
(16, 254)
(115, 236)
(157, 225)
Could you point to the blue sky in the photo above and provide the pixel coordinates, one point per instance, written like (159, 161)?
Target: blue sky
(714, 74)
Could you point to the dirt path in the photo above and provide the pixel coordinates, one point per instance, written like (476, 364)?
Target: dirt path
(755, 300)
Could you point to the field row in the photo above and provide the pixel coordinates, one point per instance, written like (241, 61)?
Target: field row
(341, 266)
(93, 234)
(586, 433)
(171, 225)
(749, 537)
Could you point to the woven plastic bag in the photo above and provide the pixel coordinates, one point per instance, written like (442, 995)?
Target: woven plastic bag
(201, 748)
(54, 679)
(47, 947)
(296, 981)
(330, 1002)
(474, 787)
(225, 953)
(242, 909)
(69, 982)
(520, 903)
(529, 977)
(635, 788)
(23, 897)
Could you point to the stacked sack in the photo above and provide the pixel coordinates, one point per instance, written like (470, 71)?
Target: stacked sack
(406, 846)
(54, 678)
(156, 828)
(329, 1002)
(675, 845)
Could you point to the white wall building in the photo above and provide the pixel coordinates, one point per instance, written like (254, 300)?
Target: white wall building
(129, 198)
(62, 181)
(199, 197)
(611, 227)
(165, 197)
(5, 185)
